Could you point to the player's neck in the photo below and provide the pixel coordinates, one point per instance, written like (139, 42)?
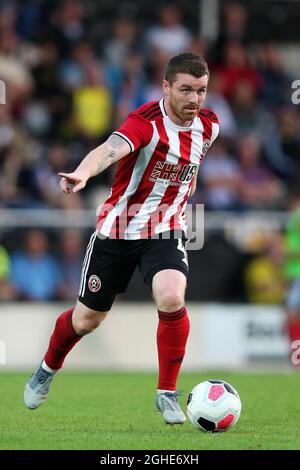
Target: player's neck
(174, 117)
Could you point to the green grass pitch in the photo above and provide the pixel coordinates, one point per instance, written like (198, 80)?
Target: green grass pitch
(106, 411)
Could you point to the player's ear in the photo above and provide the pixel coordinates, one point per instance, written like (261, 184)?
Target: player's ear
(166, 87)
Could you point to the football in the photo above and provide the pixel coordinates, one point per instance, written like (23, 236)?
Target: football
(214, 406)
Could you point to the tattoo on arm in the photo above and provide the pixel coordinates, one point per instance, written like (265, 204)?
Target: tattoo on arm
(116, 141)
(115, 144)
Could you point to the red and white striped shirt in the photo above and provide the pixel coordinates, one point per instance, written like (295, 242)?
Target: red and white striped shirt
(152, 183)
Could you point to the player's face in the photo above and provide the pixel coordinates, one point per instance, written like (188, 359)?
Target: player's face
(186, 95)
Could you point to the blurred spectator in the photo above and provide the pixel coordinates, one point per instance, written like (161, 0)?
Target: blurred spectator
(155, 71)
(276, 83)
(16, 75)
(7, 128)
(8, 15)
(35, 275)
(93, 106)
(282, 144)
(18, 188)
(17, 155)
(292, 267)
(6, 292)
(70, 261)
(29, 19)
(13, 21)
(4, 263)
(260, 189)
(84, 76)
(235, 23)
(133, 90)
(12, 134)
(218, 103)
(233, 27)
(69, 25)
(264, 280)
(74, 70)
(247, 113)
(46, 174)
(198, 46)
(236, 69)
(122, 43)
(220, 177)
(170, 35)
(48, 93)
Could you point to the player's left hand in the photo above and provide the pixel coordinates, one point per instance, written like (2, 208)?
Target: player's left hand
(72, 182)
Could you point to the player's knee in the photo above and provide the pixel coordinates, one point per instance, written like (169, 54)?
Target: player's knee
(170, 301)
(83, 326)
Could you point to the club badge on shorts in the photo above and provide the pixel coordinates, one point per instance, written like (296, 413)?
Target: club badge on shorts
(94, 283)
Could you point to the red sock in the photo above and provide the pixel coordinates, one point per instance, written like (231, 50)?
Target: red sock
(63, 339)
(293, 330)
(293, 327)
(172, 334)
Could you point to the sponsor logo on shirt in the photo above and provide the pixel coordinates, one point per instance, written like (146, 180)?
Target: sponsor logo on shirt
(172, 174)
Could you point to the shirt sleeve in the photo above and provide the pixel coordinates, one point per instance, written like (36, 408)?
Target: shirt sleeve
(136, 130)
(215, 127)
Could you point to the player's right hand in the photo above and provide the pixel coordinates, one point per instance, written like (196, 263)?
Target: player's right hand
(72, 182)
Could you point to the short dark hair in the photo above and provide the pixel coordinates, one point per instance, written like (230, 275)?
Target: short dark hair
(186, 62)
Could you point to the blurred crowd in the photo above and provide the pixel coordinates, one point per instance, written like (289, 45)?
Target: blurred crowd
(72, 76)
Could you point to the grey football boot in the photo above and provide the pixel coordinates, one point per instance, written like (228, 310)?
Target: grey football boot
(167, 404)
(37, 388)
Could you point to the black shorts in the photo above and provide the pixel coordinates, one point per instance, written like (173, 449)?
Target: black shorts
(109, 265)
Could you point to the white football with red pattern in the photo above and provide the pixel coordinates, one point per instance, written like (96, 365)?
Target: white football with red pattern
(214, 406)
